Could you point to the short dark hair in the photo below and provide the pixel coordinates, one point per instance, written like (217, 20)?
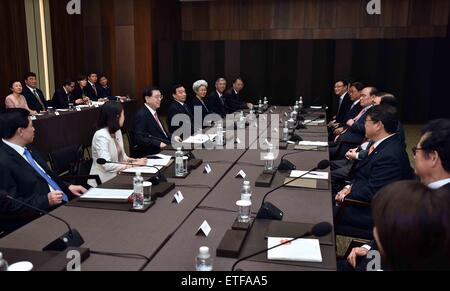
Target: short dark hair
(373, 90)
(413, 226)
(11, 83)
(358, 85)
(28, 75)
(11, 120)
(103, 76)
(437, 138)
(389, 99)
(109, 116)
(344, 81)
(238, 79)
(387, 115)
(67, 82)
(92, 73)
(81, 78)
(175, 88)
(148, 91)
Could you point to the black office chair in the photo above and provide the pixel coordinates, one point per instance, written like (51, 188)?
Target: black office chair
(135, 151)
(72, 166)
(351, 231)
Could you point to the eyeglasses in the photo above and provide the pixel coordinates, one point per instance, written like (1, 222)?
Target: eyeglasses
(159, 97)
(415, 149)
(367, 120)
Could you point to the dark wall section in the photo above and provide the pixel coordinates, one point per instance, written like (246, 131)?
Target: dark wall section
(415, 70)
(14, 47)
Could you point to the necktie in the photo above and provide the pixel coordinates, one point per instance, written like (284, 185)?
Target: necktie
(39, 99)
(360, 115)
(371, 149)
(44, 175)
(95, 89)
(160, 124)
(221, 99)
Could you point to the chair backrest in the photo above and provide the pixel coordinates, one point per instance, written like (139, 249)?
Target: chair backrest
(67, 160)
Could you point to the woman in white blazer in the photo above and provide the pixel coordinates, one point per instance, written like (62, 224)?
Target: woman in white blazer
(108, 144)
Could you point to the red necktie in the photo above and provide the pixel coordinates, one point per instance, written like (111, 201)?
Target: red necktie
(160, 124)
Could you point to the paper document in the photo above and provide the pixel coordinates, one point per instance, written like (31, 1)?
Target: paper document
(313, 143)
(163, 161)
(302, 250)
(143, 170)
(200, 138)
(107, 194)
(312, 175)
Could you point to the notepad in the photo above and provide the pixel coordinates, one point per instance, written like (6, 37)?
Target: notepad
(163, 161)
(200, 138)
(301, 250)
(312, 175)
(143, 170)
(107, 194)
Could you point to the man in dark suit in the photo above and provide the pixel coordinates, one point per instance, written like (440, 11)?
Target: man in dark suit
(387, 162)
(63, 96)
(355, 132)
(432, 155)
(148, 132)
(216, 100)
(93, 89)
(35, 98)
(24, 175)
(233, 99)
(105, 88)
(338, 125)
(341, 90)
(180, 116)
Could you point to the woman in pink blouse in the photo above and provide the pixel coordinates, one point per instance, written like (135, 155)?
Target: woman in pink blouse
(16, 99)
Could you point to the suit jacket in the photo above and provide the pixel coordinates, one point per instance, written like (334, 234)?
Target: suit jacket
(61, 99)
(22, 182)
(217, 105)
(387, 164)
(352, 113)
(176, 108)
(89, 91)
(446, 187)
(32, 102)
(147, 134)
(104, 147)
(106, 93)
(78, 94)
(357, 132)
(344, 109)
(196, 103)
(234, 101)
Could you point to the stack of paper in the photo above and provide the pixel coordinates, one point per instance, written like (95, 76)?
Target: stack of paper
(312, 175)
(163, 161)
(200, 138)
(143, 170)
(107, 194)
(301, 250)
(313, 143)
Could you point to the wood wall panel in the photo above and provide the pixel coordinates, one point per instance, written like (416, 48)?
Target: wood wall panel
(14, 48)
(316, 19)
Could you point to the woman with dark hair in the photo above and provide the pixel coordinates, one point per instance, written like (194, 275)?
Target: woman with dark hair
(412, 227)
(79, 95)
(108, 144)
(16, 99)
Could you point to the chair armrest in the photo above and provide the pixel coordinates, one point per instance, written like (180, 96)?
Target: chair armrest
(83, 177)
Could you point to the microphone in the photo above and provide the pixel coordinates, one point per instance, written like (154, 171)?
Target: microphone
(163, 140)
(155, 180)
(286, 165)
(319, 230)
(70, 239)
(270, 211)
(303, 125)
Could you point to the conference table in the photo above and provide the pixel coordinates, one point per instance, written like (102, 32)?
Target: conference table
(72, 127)
(167, 233)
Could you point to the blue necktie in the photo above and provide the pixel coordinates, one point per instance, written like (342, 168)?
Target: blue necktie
(47, 178)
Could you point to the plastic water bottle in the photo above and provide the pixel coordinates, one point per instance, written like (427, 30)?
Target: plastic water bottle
(260, 106)
(219, 134)
(294, 114)
(3, 264)
(179, 163)
(266, 103)
(138, 191)
(286, 131)
(269, 158)
(241, 122)
(203, 261)
(246, 191)
(300, 103)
